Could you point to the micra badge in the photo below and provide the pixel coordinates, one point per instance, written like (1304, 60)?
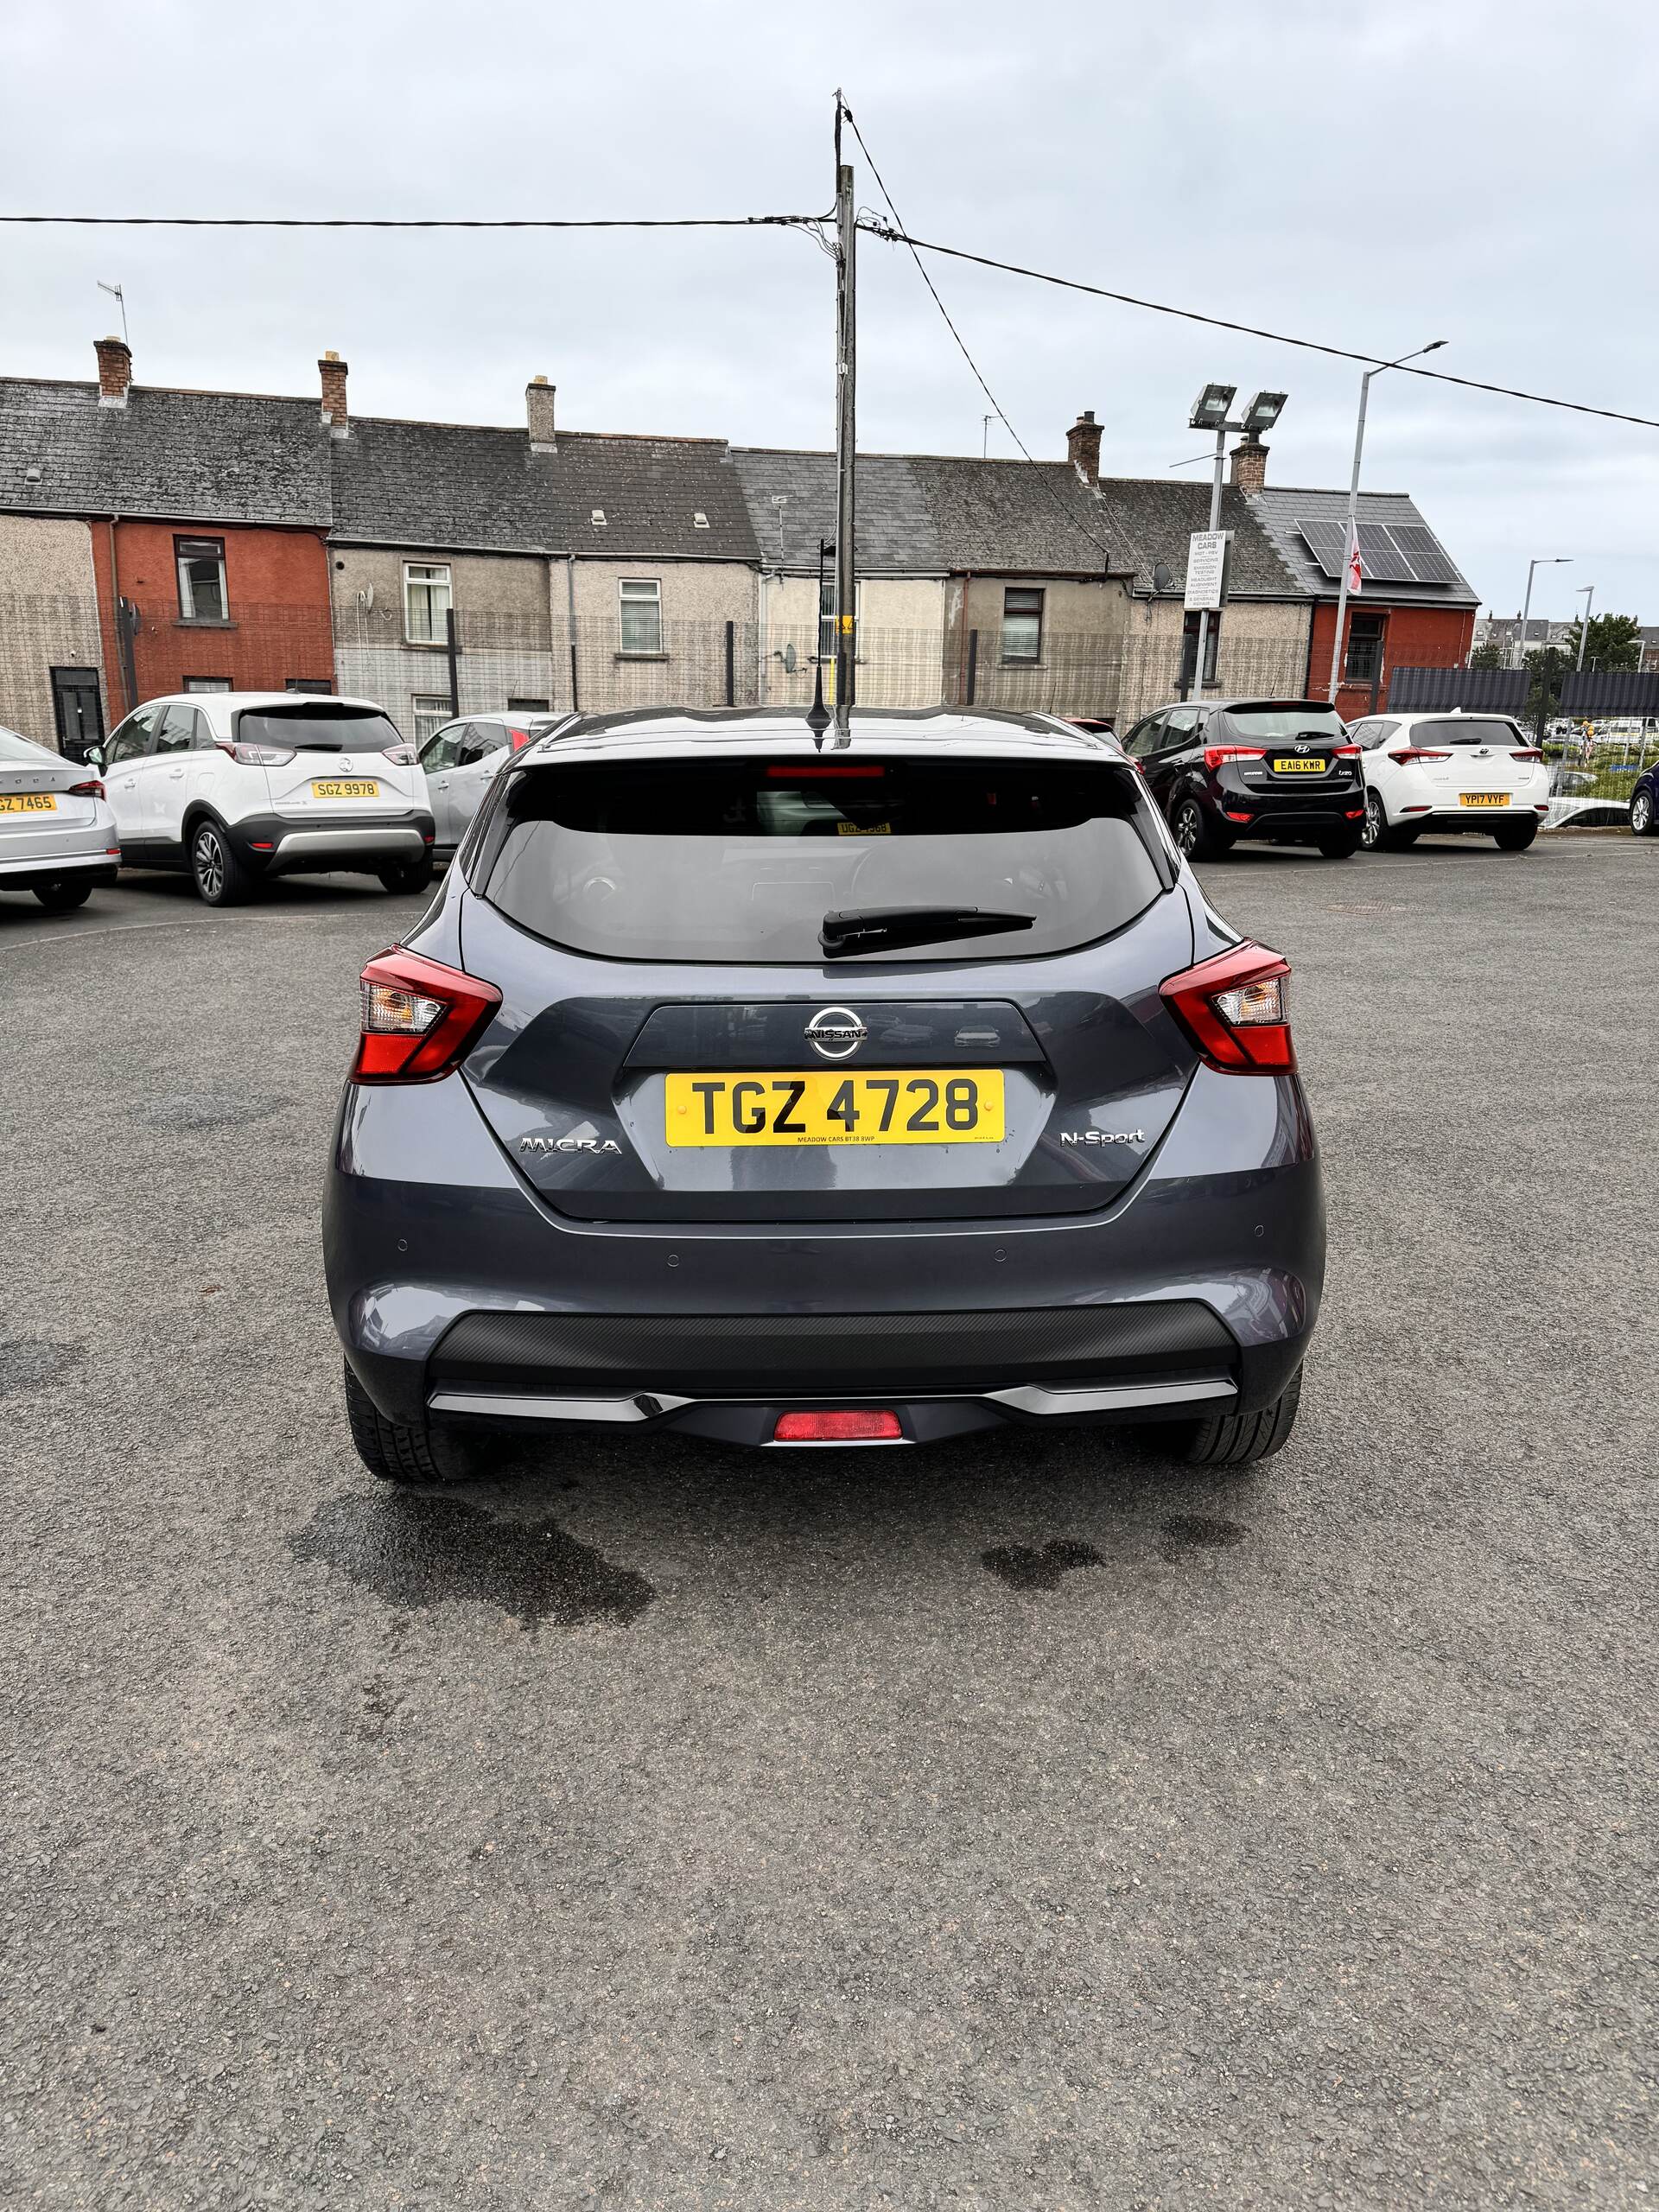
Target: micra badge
(568, 1144)
(1102, 1136)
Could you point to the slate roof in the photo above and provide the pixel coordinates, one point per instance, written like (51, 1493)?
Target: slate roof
(235, 457)
(244, 457)
(1155, 516)
(1017, 516)
(895, 534)
(1280, 510)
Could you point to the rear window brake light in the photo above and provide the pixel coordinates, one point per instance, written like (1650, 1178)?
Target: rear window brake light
(808, 770)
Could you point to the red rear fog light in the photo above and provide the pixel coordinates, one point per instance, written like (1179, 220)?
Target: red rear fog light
(857, 1425)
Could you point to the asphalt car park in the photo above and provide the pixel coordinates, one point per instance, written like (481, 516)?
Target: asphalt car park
(1020, 1822)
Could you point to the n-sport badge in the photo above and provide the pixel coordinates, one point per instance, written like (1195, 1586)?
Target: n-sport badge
(834, 1033)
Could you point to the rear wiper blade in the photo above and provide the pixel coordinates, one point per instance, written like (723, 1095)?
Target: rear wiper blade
(862, 929)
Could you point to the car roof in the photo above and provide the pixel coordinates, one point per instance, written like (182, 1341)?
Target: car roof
(658, 732)
(261, 699)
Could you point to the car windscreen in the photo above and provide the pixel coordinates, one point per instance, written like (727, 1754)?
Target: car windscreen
(1273, 725)
(13, 747)
(316, 729)
(741, 859)
(1467, 729)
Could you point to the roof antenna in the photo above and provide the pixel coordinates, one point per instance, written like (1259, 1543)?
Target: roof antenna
(116, 292)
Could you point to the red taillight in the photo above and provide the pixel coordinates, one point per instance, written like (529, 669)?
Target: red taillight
(518, 739)
(419, 1017)
(257, 756)
(817, 775)
(1409, 754)
(1233, 1009)
(1345, 752)
(401, 756)
(855, 1426)
(1215, 754)
(1528, 753)
(91, 789)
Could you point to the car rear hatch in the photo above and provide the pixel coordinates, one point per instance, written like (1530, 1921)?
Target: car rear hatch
(1472, 763)
(1288, 749)
(47, 807)
(327, 760)
(675, 1043)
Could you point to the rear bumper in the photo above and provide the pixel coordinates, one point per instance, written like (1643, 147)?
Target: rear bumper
(456, 1292)
(274, 844)
(1448, 821)
(97, 866)
(1291, 817)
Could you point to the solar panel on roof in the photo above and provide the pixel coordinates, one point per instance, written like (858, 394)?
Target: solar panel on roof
(1328, 542)
(1383, 560)
(1427, 557)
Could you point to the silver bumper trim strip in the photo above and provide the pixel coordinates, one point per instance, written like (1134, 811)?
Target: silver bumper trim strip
(1025, 1397)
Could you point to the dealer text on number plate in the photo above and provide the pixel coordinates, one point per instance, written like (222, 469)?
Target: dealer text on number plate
(822, 1106)
(345, 787)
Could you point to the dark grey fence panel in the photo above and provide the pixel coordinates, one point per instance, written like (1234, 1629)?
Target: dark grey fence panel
(1488, 690)
(1611, 691)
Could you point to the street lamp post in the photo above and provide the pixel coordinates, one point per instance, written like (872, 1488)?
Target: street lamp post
(1543, 561)
(1587, 593)
(1353, 537)
(1210, 412)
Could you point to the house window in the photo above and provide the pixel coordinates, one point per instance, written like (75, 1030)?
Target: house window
(827, 620)
(1022, 626)
(430, 713)
(317, 685)
(201, 579)
(1364, 662)
(207, 683)
(526, 706)
(1190, 651)
(641, 603)
(426, 602)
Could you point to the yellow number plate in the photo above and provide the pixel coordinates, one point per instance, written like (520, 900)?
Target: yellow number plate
(1299, 764)
(345, 787)
(28, 803)
(1482, 799)
(824, 1106)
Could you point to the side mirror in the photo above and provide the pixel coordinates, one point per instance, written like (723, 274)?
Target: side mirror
(94, 756)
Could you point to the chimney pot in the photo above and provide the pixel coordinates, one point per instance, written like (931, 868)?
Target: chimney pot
(1082, 445)
(114, 371)
(538, 412)
(333, 371)
(1250, 469)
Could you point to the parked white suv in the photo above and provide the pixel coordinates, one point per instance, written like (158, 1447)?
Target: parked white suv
(1449, 774)
(461, 760)
(236, 785)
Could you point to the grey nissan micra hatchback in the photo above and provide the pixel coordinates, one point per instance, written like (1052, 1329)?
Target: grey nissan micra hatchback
(750, 1084)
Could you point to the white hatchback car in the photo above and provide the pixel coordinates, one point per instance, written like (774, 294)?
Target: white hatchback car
(235, 786)
(57, 835)
(1450, 773)
(460, 761)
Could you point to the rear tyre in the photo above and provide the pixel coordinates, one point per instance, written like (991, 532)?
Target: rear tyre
(406, 876)
(391, 1449)
(217, 871)
(1190, 826)
(60, 898)
(1236, 1440)
(1340, 844)
(1516, 837)
(1642, 820)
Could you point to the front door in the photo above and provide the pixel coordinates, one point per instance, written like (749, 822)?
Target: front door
(78, 710)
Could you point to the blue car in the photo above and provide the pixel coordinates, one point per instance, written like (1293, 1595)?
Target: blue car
(1644, 803)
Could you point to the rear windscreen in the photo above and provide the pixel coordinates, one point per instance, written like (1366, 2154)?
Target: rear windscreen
(318, 729)
(1273, 725)
(741, 861)
(1467, 730)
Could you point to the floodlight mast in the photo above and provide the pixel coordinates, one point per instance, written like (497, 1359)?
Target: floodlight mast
(1209, 411)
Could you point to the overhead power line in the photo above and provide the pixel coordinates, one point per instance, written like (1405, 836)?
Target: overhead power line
(899, 236)
(880, 231)
(430, 222)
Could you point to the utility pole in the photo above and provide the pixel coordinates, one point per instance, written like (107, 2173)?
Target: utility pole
(1350, 542)
(846, 438)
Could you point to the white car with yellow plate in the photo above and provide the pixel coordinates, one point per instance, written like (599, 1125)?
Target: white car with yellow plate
(57, 835)
(234, 786)
(1450, 773)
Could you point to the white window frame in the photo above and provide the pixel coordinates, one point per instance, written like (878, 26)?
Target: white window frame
(429, 711)
(636, 594)
(429, 578)
(187, 590)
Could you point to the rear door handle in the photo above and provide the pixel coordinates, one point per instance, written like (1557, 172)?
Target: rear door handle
(175, 773)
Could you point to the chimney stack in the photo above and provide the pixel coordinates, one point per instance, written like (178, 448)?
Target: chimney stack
(1083, 447)
(538, 410)
(114, 371)
(333, 371)
(1250, 469)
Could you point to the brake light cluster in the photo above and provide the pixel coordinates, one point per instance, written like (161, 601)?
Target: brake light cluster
(91, 789)
(1233, 1007)
(1409, 755)
(420, 1018)
(255, 756)
(1215, 754)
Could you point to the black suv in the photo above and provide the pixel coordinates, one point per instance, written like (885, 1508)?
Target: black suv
(1283, 769)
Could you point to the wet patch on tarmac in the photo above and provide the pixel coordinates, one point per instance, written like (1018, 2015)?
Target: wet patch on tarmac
(432, 1551)
(27, 1364)
(1194, 1532)
(1022, 1567)
(206, 1109)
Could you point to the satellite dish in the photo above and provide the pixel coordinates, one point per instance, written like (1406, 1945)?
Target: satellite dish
(365, 597)
(791, 660)
(1161, 578)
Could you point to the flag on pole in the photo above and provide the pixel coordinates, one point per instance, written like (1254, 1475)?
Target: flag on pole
(1355, 572)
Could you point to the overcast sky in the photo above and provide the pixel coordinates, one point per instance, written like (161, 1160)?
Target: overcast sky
(1375, 177)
